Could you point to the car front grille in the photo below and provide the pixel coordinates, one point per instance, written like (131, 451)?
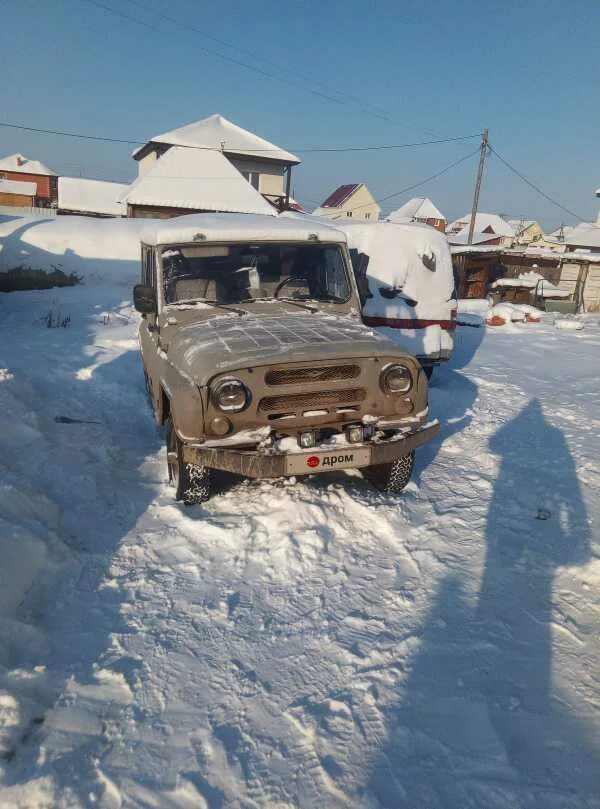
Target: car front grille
(296, 376)
(317, 399)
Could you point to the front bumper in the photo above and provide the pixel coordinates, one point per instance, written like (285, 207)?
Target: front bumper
(259, 464)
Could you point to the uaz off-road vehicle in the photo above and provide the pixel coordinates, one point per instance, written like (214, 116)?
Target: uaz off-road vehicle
(257, 361)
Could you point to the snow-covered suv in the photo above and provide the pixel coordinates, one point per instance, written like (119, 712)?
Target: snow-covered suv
(256, 358)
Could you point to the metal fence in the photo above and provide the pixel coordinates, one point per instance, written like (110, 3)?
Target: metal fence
(33, 211)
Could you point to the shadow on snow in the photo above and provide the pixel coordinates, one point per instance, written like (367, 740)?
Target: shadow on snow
(477, 722)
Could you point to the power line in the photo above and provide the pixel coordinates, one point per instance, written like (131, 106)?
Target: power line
(212, 52)
(416, 185)
(534, 186)
(297, 78)
(305, 150)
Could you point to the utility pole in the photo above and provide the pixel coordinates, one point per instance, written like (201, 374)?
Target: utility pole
(482, 156)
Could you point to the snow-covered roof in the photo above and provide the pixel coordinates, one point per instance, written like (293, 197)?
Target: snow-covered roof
(483, 221)
(341, 195)
(584, 235)
(201, 179)
(16, 162)
(91, 196)
(462, 237)
(240, 227)
(416, 208)
(18, 187)
(216, 132)
(533, 280)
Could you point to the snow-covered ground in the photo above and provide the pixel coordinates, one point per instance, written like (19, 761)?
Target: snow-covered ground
(308, 645)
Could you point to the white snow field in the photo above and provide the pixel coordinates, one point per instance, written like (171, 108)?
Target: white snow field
(313, 644)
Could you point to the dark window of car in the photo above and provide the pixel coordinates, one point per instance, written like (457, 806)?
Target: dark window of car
(240, 272)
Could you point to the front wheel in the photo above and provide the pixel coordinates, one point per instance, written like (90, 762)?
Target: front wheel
(391, 477)
(191, 481)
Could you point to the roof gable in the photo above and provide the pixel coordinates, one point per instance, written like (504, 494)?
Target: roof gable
(417, 208)
(216, 132)
(341, 195)
(483, 223)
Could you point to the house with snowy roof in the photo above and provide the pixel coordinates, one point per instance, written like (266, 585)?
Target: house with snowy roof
(419, 209)
(210, 165)
(82, 197)
(526, 231)
(490, 228)
(19, 174)
(350, 200)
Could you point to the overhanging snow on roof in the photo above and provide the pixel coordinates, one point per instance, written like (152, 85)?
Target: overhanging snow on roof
(417, 208)
(16, 162)
(18, 187)
(216, 132)
(200, 179)
(483, 221)
(91, 196)
(584, 235)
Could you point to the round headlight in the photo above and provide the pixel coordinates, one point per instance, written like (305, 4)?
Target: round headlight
(396, 379)
(230, 395)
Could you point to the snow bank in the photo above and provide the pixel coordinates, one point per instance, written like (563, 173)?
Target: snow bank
(97, 250)
(505, 312)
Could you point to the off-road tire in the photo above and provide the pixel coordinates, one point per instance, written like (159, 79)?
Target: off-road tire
(391, 477)
(192, 482)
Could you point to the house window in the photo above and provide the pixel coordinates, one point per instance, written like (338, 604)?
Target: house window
(348, 213)
(253, 178)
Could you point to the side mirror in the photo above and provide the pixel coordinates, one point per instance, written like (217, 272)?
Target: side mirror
(144, 299)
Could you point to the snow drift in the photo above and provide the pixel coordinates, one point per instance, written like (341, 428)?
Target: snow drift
(95, 249)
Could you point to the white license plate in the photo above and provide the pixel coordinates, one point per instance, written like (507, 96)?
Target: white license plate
(299, 463)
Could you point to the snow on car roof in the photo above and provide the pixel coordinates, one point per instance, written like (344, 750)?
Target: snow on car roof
(238, 227)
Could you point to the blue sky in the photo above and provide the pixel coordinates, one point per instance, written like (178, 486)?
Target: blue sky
(528, 71)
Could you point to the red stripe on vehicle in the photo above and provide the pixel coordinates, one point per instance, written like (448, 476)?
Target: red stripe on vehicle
(408, 323)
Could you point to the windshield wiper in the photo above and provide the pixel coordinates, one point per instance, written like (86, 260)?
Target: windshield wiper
(294, 302)
(196, 301)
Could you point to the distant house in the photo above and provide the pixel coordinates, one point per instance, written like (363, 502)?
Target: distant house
(422, 210)
(265, 167)
(91, 197)
(486, 224)
(350, 200)
(526, 231)
(21, 169)
(185, 180)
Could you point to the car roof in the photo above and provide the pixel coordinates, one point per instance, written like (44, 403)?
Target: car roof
(226, 227)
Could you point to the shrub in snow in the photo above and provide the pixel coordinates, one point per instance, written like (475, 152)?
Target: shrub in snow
(55, 320)
(24, 278)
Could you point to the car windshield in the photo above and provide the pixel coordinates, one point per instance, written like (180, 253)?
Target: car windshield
(235, 273)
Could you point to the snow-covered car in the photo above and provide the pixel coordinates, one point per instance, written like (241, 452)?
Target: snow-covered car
(257, 361)
(405, 278)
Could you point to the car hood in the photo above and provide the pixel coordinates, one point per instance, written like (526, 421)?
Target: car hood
(204, 348)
